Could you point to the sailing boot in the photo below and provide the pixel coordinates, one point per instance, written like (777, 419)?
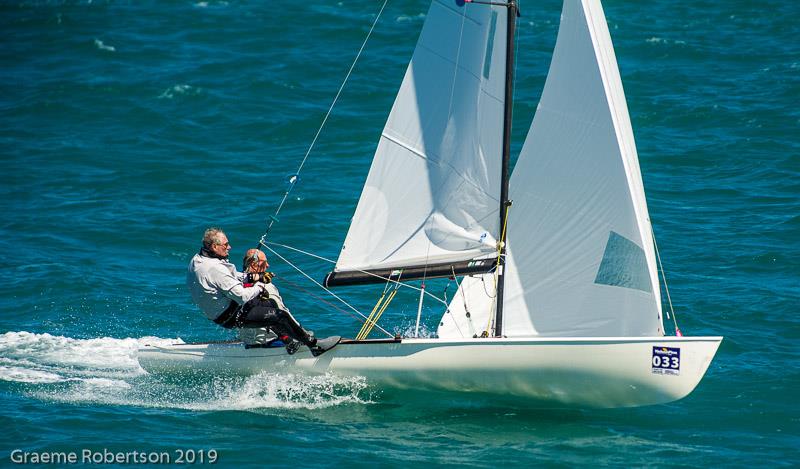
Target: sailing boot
(292, 346)
(323, 345)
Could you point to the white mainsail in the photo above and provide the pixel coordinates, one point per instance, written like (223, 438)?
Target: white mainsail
(432, 193)
(581, 261)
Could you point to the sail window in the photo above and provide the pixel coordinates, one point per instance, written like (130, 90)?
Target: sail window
(487, 59)
(623, 265)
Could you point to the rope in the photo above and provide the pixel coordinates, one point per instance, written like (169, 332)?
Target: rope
(373, 317)
(466, 309)
(315, 256)
(323, 287)
(666, 288)
(319, 298)
(458, 58)
(296, 177)
(372, 313)
(500, 245)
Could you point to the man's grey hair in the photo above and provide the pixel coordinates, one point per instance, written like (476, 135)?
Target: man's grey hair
(212, 236)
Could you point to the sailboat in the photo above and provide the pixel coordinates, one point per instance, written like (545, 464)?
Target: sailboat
(559, 296)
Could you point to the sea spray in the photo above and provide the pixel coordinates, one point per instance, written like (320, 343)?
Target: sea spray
(262, 391)
(104, 356)
(106, 371)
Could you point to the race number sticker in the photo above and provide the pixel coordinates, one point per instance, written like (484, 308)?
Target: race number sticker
(666, 361)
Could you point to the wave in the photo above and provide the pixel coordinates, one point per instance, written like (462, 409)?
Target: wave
(107, 371)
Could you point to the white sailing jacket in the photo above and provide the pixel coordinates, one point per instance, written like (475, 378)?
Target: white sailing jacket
(214, 282)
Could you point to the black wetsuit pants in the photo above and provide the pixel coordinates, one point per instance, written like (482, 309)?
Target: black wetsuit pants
(260, 312)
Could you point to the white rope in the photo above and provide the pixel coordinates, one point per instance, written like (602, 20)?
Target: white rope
(468, 315)
(327, 290)
(311, 254)
(388, 280)
(458, 58)
(664, 278)
(293, 180)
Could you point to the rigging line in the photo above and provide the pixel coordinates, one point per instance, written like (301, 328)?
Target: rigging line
(422, 286)
(463, 295)
(497, 270)
(371, 315)
(366, 328)
(664, 278)
(310, 254)
(294, 179)
(323, 287)
(380, 313)
(458, 59)
(317, 297)
(466, 310)
(449, 113)
(396, 282)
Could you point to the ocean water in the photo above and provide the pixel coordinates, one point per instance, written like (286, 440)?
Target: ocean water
(126, 128)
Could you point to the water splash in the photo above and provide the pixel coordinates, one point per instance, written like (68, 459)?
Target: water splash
(408, 329)
(107, 371)
(262, 391)
(26, 356)
(24, 375)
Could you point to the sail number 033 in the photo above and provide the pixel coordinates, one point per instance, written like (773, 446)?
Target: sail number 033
(666, 360)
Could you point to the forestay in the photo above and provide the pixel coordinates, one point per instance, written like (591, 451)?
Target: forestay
(581, 258)
(432, 193)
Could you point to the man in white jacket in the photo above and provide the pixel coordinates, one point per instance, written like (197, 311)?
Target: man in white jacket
(218, 290)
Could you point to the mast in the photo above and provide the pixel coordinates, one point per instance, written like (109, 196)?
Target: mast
(511, 24)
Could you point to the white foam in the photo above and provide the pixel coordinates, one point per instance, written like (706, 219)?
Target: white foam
(207, 4)
(408, 330)
(288, 391)
(99, 44)
(176, 90)
(103, 356)
(25, 375)
(263, 391)
(106, 370)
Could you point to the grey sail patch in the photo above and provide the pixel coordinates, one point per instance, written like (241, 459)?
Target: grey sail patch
(487, 60)
(623, 265)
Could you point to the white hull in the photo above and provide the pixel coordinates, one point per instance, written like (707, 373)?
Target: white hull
(596, 372)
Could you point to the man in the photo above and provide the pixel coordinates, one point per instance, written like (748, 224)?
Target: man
(218, 290)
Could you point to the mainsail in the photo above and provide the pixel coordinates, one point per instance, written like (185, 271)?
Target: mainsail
(581, 260)
(432, 193)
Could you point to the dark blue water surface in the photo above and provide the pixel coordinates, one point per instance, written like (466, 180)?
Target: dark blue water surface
(126, 128)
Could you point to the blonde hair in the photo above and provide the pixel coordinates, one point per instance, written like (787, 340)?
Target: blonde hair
(255, 261)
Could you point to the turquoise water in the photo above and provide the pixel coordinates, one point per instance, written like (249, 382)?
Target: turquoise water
(127, 128)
